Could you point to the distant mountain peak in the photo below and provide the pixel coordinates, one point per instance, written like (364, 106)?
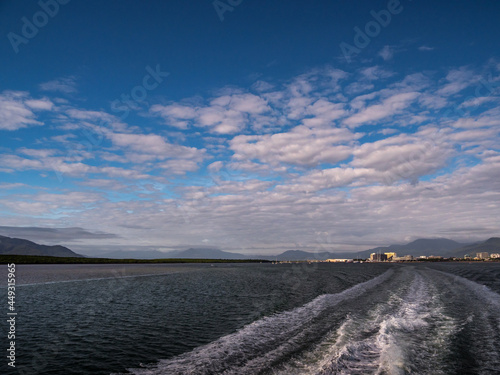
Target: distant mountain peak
(420, 246)
(491, 245)
(492, 239)
(19, 246)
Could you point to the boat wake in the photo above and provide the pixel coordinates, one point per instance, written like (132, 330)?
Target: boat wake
(256, 346)
(408, 320)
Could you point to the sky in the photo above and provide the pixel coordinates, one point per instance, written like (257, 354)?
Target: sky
(249, 126)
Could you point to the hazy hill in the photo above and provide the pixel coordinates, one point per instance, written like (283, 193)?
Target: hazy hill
(202, 253)
(491, 245)
(439, 246)
(133, 254)
(423, 246)
(306, 255)
(299, 255)
(193, 253)
(18, 246)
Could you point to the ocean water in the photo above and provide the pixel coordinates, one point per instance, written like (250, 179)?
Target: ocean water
(256, 319)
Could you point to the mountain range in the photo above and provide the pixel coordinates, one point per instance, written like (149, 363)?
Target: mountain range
(423, 246)
(491, 245)
(438, 246)
(18, 246)
(192, 253)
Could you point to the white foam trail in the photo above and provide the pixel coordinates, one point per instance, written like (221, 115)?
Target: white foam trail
(419, 326)
(485, 304)
(256, 345)
(390, 339)
(490, 297)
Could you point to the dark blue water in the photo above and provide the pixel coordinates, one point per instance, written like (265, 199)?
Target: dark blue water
(257, 319)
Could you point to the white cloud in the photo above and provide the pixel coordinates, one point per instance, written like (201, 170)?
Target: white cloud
(17, 163)
(402, 161)
(475, 135)
(15, 185)
(297, 107)
(414, 82)
(116, 172)
(262, 86)
(358, 87)
(140, 148)
(282, 170)
(142, 143)
(225, 114)
(16, 112)
(66, 85)
(221, 120)
(475, 102)
(388, 131)
(431, 101)
(39, 104)
(317, 180)
(375, 73)
(247, 103)
(302, 146)
(457, 80)
(477, 122)
(37, 153)
(323, 113)
(53, 204)
(176, 115)
(179, 166)
(386, 53)
(389, 107)
(215, 166)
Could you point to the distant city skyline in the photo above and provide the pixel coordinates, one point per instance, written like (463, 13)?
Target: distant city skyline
(249, 126)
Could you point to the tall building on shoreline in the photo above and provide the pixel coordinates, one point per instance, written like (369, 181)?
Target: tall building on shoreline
(390, 256)
(376, 257)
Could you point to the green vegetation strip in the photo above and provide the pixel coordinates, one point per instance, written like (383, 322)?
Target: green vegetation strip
(33, 259)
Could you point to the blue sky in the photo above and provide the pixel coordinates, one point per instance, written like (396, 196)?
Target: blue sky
(251, 126)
